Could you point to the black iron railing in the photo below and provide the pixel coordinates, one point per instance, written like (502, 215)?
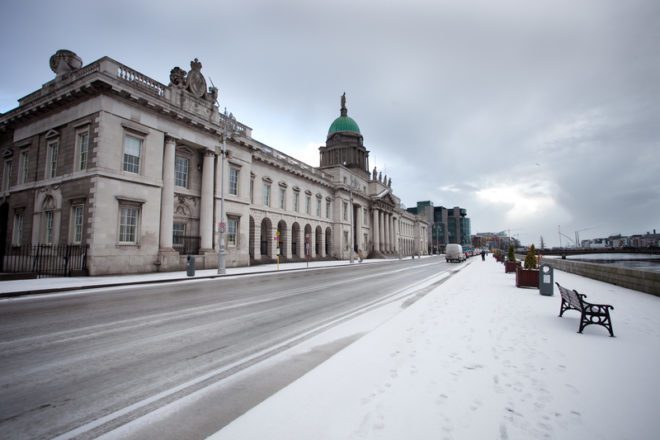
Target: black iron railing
(45, 260)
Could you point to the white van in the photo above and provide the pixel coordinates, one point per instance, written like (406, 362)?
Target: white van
(454, 252)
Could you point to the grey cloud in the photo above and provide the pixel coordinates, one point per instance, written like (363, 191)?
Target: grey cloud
(560, 98)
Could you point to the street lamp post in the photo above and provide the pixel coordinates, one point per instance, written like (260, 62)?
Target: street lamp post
(229, 127)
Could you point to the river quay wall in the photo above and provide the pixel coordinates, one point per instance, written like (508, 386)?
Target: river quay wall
(644, 281)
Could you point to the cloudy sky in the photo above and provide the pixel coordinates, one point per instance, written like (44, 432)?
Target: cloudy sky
(530, 114)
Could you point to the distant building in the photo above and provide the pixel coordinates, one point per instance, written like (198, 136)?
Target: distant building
(447, 225)
(494, 240)
(131, 169)
(645, 240)
(596, 243)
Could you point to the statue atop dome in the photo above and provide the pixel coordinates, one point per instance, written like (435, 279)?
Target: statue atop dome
(344, 110)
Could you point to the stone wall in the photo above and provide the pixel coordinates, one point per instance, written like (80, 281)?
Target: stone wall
(643, 281)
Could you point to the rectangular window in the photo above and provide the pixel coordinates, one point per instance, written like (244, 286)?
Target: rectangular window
(252, 191)
(345, 211)
(128, 224)
(51, 159)
(365, 216)
(233, 181)
(6, 175)
(181, 167)
(17, 234)
(347, 245)
(282, 198)
(266, 190)
(23, 167)
(327, 208)
(232, 231)
(132, 151)
(77, 224)
(308, 205)
(318, 207)
(82, 148)
(48, 230)
(296, 202)
(178, 231)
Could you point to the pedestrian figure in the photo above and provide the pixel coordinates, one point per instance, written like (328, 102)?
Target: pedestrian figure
(483, 255)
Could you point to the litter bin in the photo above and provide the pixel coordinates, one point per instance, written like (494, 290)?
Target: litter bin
(190, 266)
(546, 284)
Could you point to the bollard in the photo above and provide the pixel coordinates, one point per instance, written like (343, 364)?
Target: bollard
(546, 285)
(190, 266)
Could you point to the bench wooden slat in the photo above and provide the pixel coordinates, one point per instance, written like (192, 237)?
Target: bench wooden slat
(598, 314)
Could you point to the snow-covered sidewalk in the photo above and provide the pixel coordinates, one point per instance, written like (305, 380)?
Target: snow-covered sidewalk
(478, 358)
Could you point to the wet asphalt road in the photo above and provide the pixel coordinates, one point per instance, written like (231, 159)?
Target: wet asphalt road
(81, 365)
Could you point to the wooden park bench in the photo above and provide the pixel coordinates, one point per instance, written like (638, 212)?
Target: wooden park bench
(598, 314)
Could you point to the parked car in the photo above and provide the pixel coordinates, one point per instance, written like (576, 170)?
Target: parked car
(454, 252)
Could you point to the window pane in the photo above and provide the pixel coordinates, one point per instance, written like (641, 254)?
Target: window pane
(6, 175)
(232, 227)
(77, 224)
(17, 238)
(128, 225)
(49, 227)
(233, 181)
(181, 168)
(178, 231)
(83, 146)
(266, 194)
(23, 167)
(132, 147)
(51, 165)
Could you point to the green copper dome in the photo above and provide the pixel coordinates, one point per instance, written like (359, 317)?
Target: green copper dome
(343, 123)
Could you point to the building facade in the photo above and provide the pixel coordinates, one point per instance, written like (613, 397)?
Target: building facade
(446, 225)
(134, 170)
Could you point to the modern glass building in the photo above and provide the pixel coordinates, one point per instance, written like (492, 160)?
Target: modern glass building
(448, 225)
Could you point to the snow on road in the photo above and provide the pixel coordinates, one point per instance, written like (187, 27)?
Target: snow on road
(480, 359)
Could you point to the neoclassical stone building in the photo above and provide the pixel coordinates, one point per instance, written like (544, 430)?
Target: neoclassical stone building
(108, 158)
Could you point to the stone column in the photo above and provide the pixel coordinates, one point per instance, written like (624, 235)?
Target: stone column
(381, 230)
(322, 245)
(390, 246)
(397, 245)
(167, 195)
(374, 230)
(312, 244)
(392, 234)
(286, 252)
(358, 227)
(257, 238)
(206, 204)
(386, 230)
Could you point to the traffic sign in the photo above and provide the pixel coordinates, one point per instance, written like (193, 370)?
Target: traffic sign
(221, 227)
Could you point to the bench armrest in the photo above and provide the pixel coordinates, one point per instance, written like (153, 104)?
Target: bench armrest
(597, 308)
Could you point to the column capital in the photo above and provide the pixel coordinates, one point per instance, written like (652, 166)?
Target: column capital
(208, 153)
(169, 139)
